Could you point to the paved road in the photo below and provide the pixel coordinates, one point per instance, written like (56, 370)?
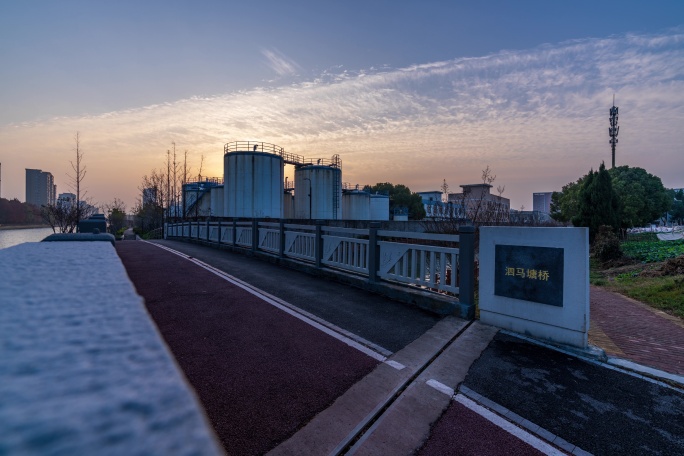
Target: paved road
(271, 382)
(259, 372)
(600, 410)
(461, 431)
(387, 323)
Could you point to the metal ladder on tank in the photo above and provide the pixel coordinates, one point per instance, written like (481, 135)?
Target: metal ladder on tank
(336, 163)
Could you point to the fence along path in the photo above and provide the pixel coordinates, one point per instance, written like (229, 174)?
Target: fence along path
(427, 262)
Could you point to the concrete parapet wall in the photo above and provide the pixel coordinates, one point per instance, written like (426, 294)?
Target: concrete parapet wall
(83, 368)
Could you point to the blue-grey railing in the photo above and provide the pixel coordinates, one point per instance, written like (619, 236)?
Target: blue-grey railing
(436, 262)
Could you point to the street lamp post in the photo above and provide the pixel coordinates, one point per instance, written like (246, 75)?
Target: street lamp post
(310, 205)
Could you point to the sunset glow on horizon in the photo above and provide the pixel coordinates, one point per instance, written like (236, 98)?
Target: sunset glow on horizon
(537, 116)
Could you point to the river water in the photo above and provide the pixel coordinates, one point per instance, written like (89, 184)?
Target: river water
(8, 238)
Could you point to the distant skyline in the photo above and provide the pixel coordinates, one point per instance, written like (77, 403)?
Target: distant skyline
(404, 92)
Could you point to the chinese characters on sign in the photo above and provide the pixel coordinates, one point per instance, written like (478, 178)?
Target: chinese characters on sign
(529, 273)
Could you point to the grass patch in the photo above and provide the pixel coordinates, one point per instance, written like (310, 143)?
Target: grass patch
(653, 287)
(642, 237)
(665, 293)
(649, 251)
(595, 276)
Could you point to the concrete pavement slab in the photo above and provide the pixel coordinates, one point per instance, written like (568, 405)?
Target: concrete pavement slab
(334, 428)
(598, 409)
(405, 426)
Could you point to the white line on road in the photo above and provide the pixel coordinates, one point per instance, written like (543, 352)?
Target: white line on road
(511, 428)
(441, 387)
(282, 305)
(397, 365)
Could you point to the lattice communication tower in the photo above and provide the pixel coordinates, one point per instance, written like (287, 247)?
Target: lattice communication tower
(614, 128)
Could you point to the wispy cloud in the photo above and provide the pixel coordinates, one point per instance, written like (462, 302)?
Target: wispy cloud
(538, 117)
(280, 63)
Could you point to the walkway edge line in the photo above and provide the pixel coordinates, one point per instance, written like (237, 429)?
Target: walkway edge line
(337, 333)
(507, 426)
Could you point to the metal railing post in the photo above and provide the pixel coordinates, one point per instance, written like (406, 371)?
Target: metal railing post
(255, 235)
(234, 232)
(466, 260)
(207, 230)
(198, 230)
(373, 252)
(318, 245)
(281, 246)
(219, 232)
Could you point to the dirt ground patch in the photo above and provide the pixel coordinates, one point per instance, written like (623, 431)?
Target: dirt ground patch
(670, 267)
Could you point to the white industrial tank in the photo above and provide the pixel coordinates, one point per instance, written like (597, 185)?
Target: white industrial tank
(253, 185)
(197, 198)
(216, 202)
(318, 192)
(356, 205)
(288, 205)
(379, 207)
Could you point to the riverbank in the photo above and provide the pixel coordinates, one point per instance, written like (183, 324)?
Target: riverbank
(22, 227)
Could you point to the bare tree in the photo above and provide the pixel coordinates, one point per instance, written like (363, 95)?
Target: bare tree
(116, 215)
(60, 216)
(175, 196)
(199, 179)
(470, 207)
(168, 184)
(66, 213)
(445, 191)
(186, 170)
(149, 211)
(79, 174)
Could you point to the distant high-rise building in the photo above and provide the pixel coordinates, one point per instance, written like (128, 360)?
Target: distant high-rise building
(541, 202)
(40, 187)
(66, 199)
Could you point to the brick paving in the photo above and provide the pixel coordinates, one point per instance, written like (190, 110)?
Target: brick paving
(636, 332)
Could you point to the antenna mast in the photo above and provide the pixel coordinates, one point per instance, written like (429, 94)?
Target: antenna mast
(614, 128)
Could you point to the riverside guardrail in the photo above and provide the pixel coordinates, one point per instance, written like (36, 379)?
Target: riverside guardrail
(437, 263)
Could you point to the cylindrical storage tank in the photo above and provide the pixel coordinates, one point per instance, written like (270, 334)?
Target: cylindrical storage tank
(189, 196)
(324, 184)
(253, 185)
(193, 192)
(205, 204)
(217, 201)
(379, 207)
(356, 205)
(288, 205)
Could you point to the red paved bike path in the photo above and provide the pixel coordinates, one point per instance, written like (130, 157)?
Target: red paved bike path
(260, 373)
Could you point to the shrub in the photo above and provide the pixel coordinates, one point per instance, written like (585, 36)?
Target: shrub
(606, 245)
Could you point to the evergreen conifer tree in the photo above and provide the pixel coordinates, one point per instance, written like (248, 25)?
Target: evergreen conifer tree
(598, 203)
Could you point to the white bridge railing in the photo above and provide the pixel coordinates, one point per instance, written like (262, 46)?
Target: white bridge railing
(435, 262)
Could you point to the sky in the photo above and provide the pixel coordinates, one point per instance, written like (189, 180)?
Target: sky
(408, 92)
